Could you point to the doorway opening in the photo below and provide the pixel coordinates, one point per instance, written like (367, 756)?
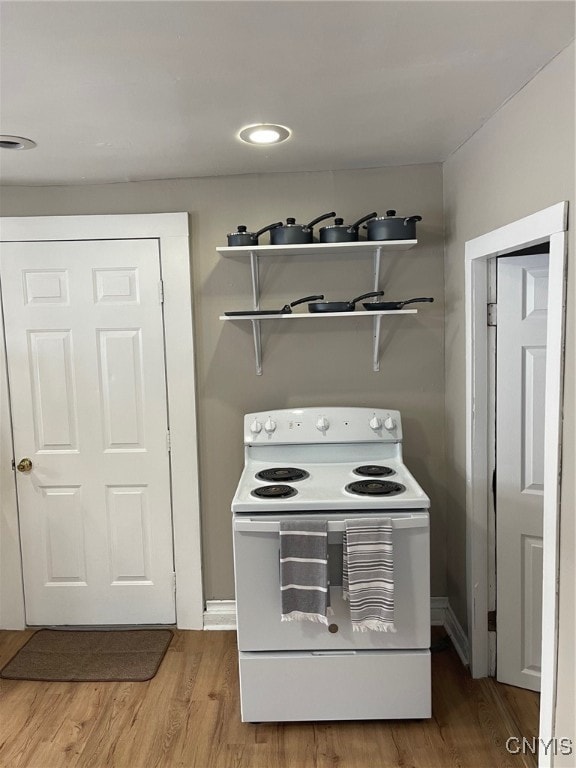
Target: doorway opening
(547, 226)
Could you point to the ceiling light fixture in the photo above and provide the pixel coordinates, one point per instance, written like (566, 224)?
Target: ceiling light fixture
(16, 142)
(264, 133)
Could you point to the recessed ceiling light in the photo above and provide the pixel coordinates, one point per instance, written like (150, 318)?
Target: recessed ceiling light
(16, 142)
(264, 133)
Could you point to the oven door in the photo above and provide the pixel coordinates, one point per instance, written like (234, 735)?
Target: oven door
(258, 606)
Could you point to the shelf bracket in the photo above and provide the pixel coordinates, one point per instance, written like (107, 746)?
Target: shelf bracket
(376, 347)
(257, 346)
(377, 254)
(376, 320)
(255, 270)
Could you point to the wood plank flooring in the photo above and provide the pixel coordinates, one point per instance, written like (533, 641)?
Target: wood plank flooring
(188, 716)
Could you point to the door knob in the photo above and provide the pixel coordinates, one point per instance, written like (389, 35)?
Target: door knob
(25, 465)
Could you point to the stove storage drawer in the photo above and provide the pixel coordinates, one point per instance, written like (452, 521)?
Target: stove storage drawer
(347, 685)
(258, 602)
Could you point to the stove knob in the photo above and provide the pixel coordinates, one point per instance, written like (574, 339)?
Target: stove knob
(270, 426)
(389, 423)
(322, 424)
(255, 427)
(375, 423)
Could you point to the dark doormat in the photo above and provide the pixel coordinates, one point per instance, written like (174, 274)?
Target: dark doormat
(61, 655)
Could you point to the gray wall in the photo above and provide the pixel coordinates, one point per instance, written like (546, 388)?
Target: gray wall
(311, 362)
(521, 161)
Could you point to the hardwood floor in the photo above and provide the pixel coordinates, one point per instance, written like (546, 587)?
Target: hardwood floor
(188, 716)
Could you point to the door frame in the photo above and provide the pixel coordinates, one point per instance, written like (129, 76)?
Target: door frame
(172, 233)
(546, 225)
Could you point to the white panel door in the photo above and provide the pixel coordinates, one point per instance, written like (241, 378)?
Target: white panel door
(85, 344)
(520, 391)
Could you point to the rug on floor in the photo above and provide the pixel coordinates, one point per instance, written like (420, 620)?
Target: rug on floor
(117, 655)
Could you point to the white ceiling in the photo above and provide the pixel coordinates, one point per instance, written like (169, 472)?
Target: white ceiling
(123, 91)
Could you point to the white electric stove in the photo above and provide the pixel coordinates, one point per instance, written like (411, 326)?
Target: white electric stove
(333, 464)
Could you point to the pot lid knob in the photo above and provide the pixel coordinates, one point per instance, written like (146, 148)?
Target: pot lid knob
(290, 221)
(339, 222)
(391, 213)
(242, 228)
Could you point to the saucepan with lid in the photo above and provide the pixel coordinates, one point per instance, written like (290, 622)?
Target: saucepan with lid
(343, 233)
(293, 234)
(341, 306)
(242, 237)
(392, 227)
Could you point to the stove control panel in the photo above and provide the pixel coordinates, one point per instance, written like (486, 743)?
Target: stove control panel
(322, 425)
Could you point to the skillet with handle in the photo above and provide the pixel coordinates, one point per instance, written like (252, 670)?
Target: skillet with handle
(375, 306)
(286, 309)
(341, 306)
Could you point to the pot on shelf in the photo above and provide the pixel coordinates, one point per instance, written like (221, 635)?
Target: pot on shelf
(343, 233)
(392, 227)
(293, 234)
(341, 306)
(242, 237)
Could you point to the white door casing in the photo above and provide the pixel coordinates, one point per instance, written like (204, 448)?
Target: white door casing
(170, 230)
(85, 350)
(547, 225)
(520, 403)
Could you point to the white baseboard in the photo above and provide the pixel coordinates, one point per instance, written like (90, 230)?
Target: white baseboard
(457, 635)
(221, 614)
(438, 607)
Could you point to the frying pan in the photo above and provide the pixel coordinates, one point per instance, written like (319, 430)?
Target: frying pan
(374, 306)
(341, 306)
(286, 309)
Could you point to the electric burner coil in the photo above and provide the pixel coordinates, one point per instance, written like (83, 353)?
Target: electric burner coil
(374, 470)
(282, 474)
(375, 488)
(274, 492)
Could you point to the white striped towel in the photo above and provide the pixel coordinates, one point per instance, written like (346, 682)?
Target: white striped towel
(304, 589)
(368, 574)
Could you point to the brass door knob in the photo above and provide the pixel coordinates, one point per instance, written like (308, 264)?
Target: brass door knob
(25, 465)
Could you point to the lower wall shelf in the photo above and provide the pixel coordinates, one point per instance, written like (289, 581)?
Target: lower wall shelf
(318, 315)
(376, 317)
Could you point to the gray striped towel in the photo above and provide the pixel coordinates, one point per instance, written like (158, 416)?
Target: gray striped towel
(304, 571)
(368, 574)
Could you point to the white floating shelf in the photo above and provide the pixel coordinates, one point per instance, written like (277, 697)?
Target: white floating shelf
(294, 315)
(313, 249)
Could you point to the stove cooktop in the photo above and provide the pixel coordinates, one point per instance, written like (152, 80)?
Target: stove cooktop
(264, 487)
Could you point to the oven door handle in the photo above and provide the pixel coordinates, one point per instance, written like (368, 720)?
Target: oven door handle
(273, 526)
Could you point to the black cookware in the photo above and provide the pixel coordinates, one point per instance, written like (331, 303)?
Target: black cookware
(241, 237)
(286, 309)
(375, 306)
(341, 306)
(292, 233)
(392, 227)
(343, 233)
